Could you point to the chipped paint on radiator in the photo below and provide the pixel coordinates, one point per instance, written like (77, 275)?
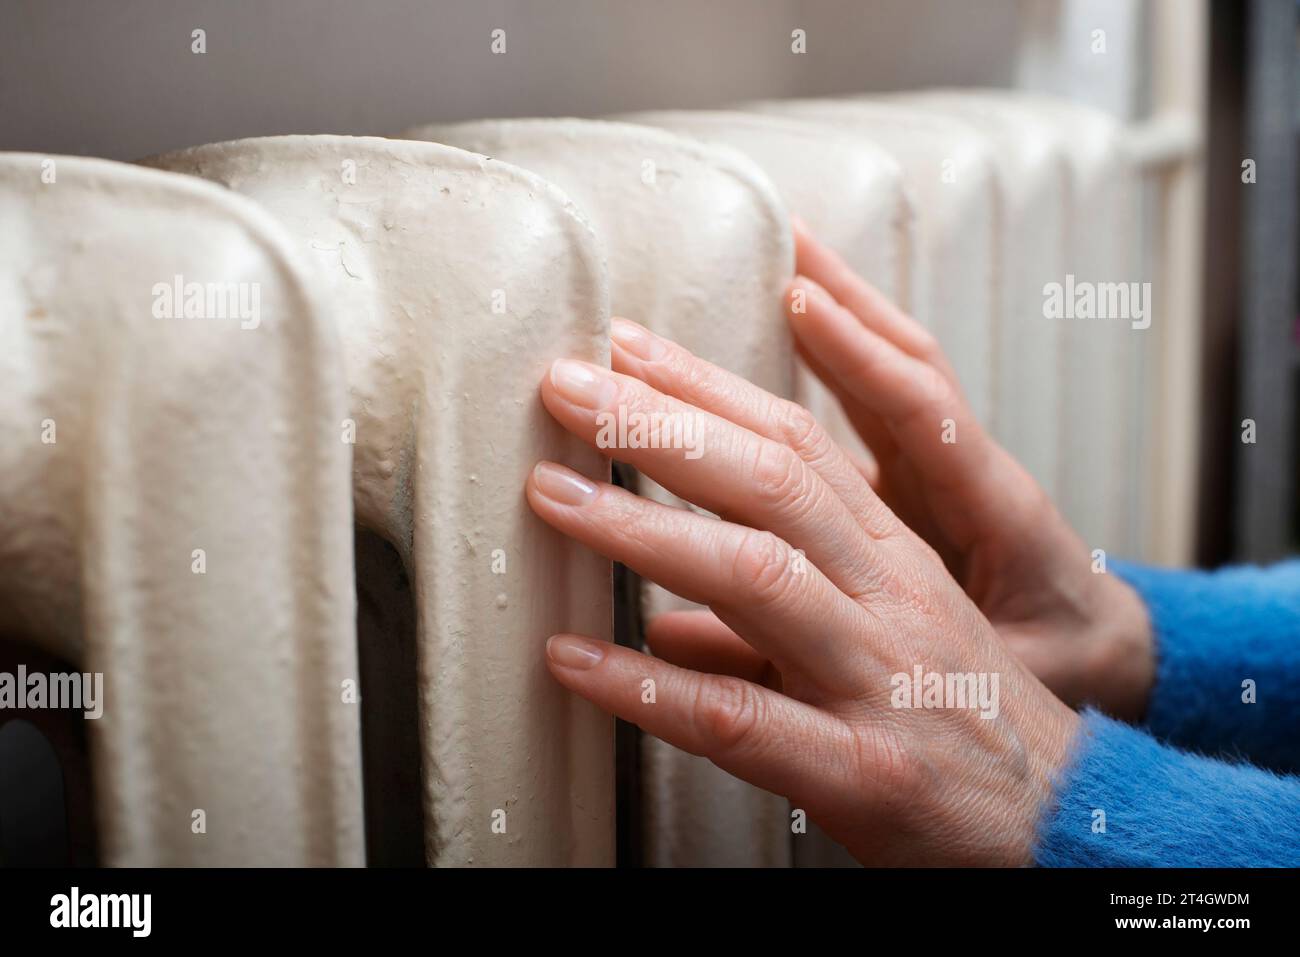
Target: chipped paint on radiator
(185, 527)
(455, 282)
(699, 250)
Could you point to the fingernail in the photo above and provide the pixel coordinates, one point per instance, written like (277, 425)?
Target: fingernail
(636, 339)
(583, 384)
(563, 485)
(570, 651)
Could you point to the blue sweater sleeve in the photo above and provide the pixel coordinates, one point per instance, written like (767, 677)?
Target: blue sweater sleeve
(1227, 659)
(1126, 800)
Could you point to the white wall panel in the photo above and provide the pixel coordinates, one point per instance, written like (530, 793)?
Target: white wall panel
(224, 669)
(699, 250)
(456, 281)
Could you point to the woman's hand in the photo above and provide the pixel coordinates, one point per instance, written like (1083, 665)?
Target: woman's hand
(825, 609)
(1086, 635)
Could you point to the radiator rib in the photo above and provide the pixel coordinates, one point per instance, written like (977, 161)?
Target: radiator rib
(190, 521)
(455, 281)
(699, 250)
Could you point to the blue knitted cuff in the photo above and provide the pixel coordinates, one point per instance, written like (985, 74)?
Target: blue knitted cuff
(1223, 638)
(1125, 800)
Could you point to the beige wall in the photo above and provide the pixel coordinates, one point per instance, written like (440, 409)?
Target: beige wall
(118, 79)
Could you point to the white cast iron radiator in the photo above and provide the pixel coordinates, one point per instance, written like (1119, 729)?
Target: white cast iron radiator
(296, 543)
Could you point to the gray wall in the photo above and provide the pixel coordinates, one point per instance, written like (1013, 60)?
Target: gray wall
(117, 79)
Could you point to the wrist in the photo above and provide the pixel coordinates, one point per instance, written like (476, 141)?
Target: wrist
(1048, 740)
(993, 790)
(1123, 667)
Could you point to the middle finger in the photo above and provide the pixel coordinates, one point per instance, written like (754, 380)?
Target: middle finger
(722, 467)
(790, 614)
(674, 371)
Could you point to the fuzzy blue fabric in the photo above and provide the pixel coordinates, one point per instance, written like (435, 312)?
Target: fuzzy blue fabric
(1127, 800)
(1214, 632)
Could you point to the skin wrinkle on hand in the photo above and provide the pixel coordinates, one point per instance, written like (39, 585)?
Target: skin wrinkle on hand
(976, 807)
(961, 790)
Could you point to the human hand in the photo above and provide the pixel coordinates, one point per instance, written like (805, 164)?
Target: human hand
(1085, 635)
(821, 600)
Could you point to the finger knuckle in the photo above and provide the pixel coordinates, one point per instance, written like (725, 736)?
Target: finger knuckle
(800, 430)
(694, 374)
(927, 346)
(762, 567)
(914, 594)
(936, 388)
(730, 711)
(780, 478)
(881, 757)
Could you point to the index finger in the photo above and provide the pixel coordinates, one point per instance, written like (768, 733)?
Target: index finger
(873, 308)
(970, 483)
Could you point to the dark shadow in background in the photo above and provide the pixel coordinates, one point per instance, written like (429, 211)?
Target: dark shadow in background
(1248, 508)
